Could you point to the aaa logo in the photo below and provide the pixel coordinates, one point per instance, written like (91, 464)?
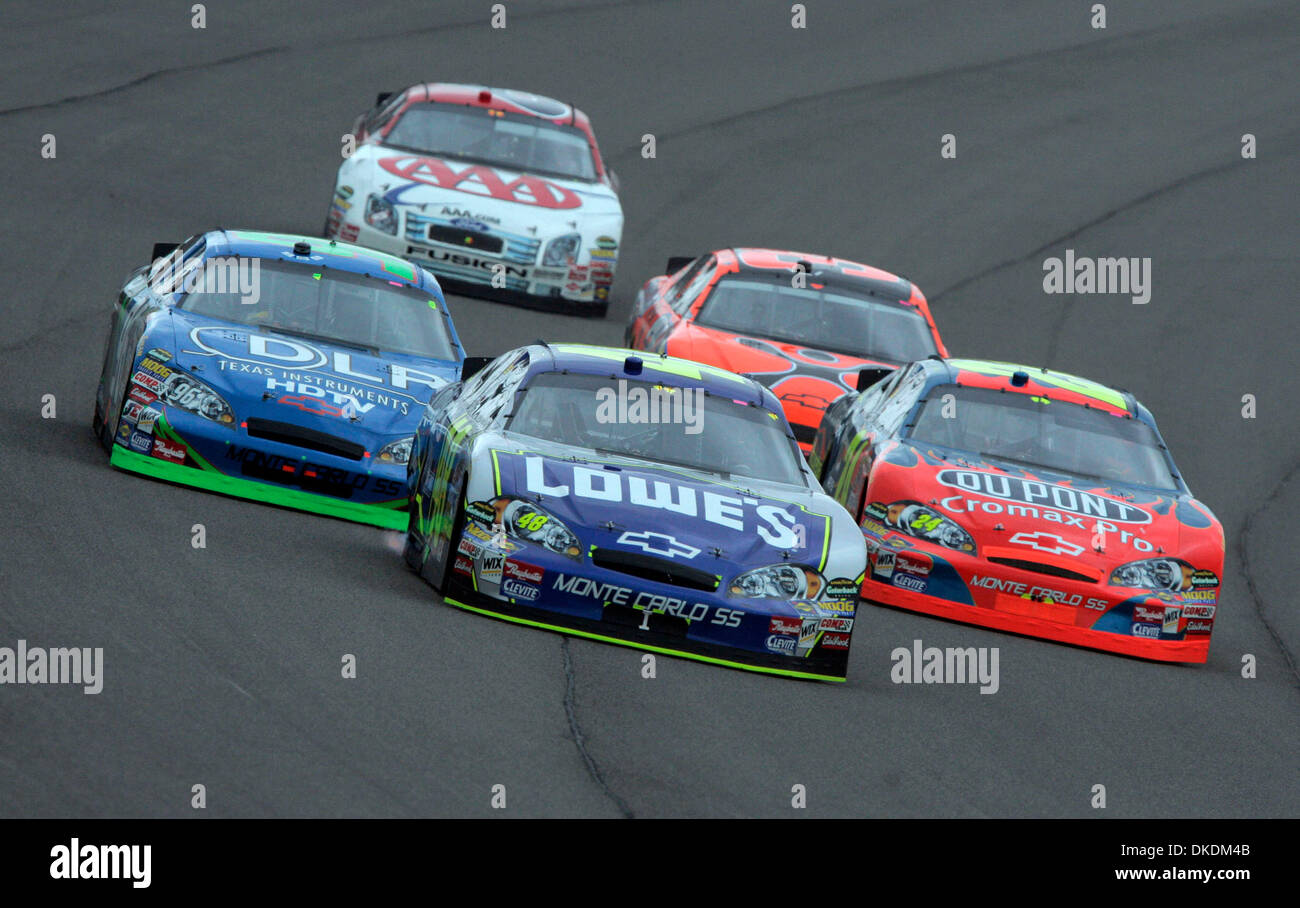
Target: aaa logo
(479, 180)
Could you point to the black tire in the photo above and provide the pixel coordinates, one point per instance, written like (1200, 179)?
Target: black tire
(412, 553)
(436, 575)
(862, 504)
(100, 426)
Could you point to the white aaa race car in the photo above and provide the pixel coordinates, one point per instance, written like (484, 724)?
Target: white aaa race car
(500, 193)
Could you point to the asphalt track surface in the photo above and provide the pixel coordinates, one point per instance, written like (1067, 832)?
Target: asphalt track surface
(222, 665)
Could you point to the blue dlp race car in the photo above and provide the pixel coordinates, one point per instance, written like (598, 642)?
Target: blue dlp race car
(635, 499)
(278, 368)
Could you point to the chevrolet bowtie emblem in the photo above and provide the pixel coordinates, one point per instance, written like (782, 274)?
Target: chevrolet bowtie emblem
(659, 544)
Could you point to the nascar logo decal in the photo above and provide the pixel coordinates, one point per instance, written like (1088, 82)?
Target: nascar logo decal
(482, 181)
(1040, 494)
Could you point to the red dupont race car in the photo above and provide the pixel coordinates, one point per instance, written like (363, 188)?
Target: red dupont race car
(803, 325)
(1024, 500)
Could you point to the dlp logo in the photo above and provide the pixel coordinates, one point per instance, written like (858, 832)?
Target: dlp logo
(285, 352)
(1082, 274)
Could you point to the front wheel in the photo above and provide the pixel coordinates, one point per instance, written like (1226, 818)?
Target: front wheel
(436, 572)
(439, 575)
(103, 426)
(413, 552)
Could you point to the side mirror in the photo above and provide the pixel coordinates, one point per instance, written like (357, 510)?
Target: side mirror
(472, 365)
(678, 262)
(162, 250)
(869, 375)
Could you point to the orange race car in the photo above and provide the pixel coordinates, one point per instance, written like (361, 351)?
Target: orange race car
(804, 325)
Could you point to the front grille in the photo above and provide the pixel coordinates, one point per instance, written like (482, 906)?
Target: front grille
(515, 247)
(292, 477)
(471, 239)
(1038, 567)
(650, 567)
(288, 434)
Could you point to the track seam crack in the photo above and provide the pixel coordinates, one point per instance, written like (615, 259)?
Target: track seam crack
(1243, 554)
(571, 713)
(147, 77)
(891, 84)
(336, 42)
(1087, 225)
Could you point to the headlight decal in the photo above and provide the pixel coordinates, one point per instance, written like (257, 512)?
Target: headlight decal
(185, 392)
(526, 521)
(922, 522)
(397, 452)
(778, 581)
(381, 215)
(561, 249)
(1172, 575)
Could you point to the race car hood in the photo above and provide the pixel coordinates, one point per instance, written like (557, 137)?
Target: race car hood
(717, 525)
(336, 389)
(1071, 524)
(801, 377)
(508, 200)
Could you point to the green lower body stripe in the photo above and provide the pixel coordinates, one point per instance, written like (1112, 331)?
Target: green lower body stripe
(684, 654)
(381, 514)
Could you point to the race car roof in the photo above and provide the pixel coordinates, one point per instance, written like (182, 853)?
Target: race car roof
(327, 253)
(825, 269)
(638, 365)
(1038, 382)
(507, 99)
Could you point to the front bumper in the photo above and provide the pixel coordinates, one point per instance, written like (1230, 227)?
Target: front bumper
(193, 459)
(963, 588)
(522, 281)
(526, 584)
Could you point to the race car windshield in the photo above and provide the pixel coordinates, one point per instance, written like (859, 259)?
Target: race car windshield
(677, 426)
(1030, 432)
(825, 318)
(333, 306)
(513, 141)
